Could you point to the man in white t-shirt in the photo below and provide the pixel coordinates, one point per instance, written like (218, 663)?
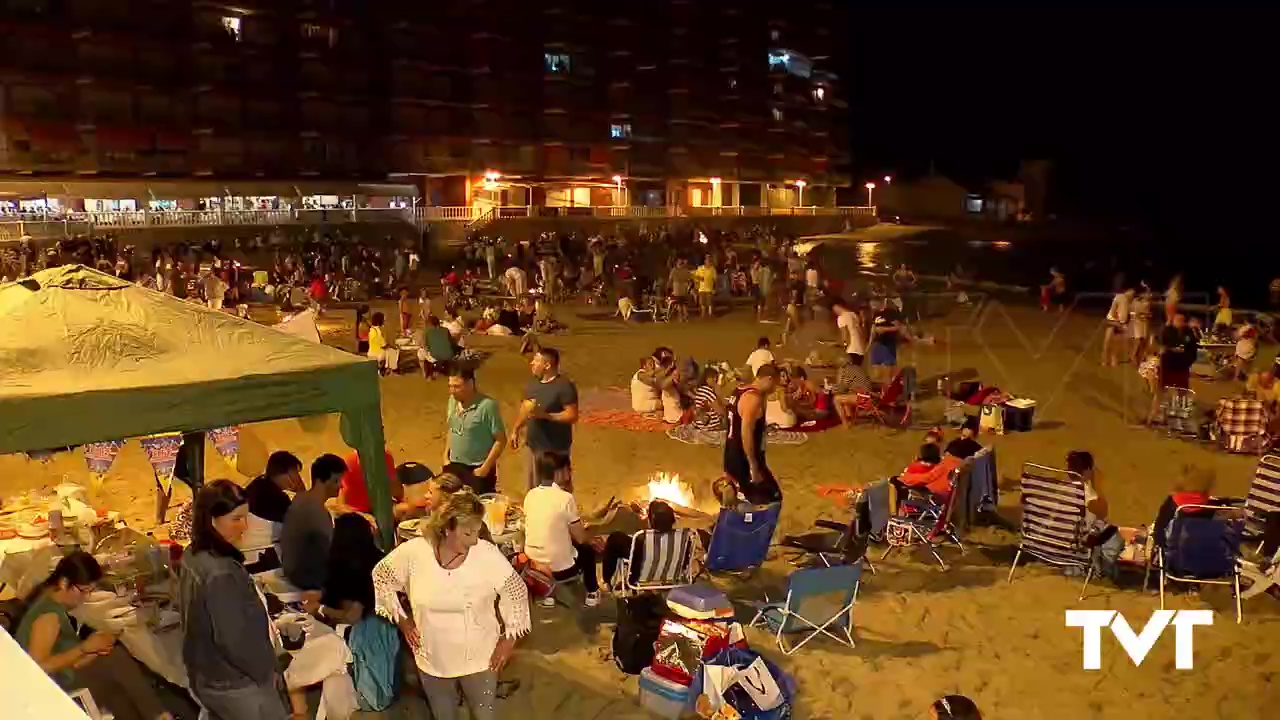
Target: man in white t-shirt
(554, 534)
(762, 355)
(516, 281)
(850, 327)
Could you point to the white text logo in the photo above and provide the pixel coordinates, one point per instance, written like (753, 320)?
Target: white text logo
(1138, 644)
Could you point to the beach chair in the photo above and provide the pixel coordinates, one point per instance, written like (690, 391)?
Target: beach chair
(1203, 547)
(1261, 579)
(880, 405)
(741, 539)
(1240, 426)
(657, 561)
(1264, 495)
(819, 601)
(1179, 412)
(1053, 525)
(834, 543)
(930, 522)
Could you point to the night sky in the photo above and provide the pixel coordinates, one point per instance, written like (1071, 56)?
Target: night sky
(1144, 114)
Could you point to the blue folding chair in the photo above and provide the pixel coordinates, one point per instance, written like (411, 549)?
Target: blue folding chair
(819, 602)
(741, 539)
(1203, 547)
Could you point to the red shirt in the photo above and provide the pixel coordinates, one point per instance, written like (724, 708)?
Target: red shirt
(354, 492)
(318, 289)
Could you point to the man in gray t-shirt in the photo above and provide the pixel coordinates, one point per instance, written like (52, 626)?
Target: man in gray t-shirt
(308, 530)
(549, 410)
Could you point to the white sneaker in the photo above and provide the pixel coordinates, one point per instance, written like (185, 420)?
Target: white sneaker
(548, 601)
(592, 599)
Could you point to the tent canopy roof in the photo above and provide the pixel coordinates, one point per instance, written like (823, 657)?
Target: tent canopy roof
(87, 357)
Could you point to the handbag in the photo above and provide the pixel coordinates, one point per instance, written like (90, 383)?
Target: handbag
(992, 419)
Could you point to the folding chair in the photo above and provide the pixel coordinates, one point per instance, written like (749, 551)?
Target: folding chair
(1179, 412)
(931, 523)
(846, 546)
(819, 602)
(1264, 495)
(879, 405)
(1053, 526)
(657, 561)
(1261, 580)
(1203, 548)
(1240, 426)
(741, 539)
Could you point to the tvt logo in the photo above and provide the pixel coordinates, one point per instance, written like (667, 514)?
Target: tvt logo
(1138, 644)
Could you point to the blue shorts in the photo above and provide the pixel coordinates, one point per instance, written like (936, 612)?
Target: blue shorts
(883, 354)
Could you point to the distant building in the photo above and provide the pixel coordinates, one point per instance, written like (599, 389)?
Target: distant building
(475, 101)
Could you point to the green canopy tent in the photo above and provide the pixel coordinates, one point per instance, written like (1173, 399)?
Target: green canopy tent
(87, 357)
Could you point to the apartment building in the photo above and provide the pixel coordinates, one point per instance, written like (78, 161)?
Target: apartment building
(567, 102)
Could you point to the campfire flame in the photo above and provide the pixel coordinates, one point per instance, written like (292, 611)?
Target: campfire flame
(668, 488)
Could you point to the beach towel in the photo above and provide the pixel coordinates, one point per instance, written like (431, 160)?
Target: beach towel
(691, 435)
(626, 420)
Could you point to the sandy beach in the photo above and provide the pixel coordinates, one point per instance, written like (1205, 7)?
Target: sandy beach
(922, 632)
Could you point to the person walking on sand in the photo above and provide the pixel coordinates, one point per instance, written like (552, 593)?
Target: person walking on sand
(705, 277)
(1113, 338)
(744, 456)
(549, 411)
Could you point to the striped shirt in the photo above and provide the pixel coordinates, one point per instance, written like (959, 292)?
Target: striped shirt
(852, 379)
(706, 409)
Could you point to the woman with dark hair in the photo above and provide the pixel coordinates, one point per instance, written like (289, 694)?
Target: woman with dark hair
(227, 636)
(49, 635)
(348, 591)
(1104, 540)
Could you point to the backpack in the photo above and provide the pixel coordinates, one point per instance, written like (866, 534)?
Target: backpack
(375, 652)
(639, 621)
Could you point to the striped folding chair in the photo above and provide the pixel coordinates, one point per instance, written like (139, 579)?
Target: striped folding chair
(1053, 524)
(661, 561)
(1264, 495)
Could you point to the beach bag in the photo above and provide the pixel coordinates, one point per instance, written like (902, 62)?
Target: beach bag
(537, 577)
(375, 652)
(636, 634)
(992, 419)
(743, 680)
(683, 644)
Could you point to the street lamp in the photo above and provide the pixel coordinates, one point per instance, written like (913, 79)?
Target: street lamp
(491, 179)
(800, 185)
(870, 186)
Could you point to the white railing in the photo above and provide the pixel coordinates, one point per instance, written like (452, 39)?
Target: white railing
(12, 227)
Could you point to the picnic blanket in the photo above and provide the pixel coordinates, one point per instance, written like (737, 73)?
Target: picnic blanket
(625, 420)
(691, 435)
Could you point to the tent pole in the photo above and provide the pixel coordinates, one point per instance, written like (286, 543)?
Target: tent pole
(194, 442)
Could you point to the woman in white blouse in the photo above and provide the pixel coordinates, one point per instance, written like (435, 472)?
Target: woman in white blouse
(452, 579)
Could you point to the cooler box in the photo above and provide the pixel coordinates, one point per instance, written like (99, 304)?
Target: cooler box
(1019, 414)
(699, 602)
(663, 697)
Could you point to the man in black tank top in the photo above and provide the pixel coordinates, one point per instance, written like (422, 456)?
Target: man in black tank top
(744, 447)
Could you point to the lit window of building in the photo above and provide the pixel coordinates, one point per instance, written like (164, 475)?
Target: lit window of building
(556, 62)
(620, 130)
(231, 24)
(786, 61)
(819, 94)
(774, 35)
(777, 114)
(733, 83)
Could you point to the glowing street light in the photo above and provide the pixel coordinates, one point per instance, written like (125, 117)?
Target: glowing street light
(887, 179)
(800, 185)
(491, 179)
(870, 186)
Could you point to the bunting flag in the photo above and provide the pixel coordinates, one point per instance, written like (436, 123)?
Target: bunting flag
(99, 457)
(162, 451)
(226, 441)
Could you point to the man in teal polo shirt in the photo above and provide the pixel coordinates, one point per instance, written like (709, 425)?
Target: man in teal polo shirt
(476, 433)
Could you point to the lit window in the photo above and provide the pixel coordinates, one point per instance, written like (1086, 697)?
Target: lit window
(324, 33)
(620, 130)
(777, 114)
(733, 83)
(778, 59)
(774, 35)
(556, 63)
(231, 24)
(819, 93)
(786, 61)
